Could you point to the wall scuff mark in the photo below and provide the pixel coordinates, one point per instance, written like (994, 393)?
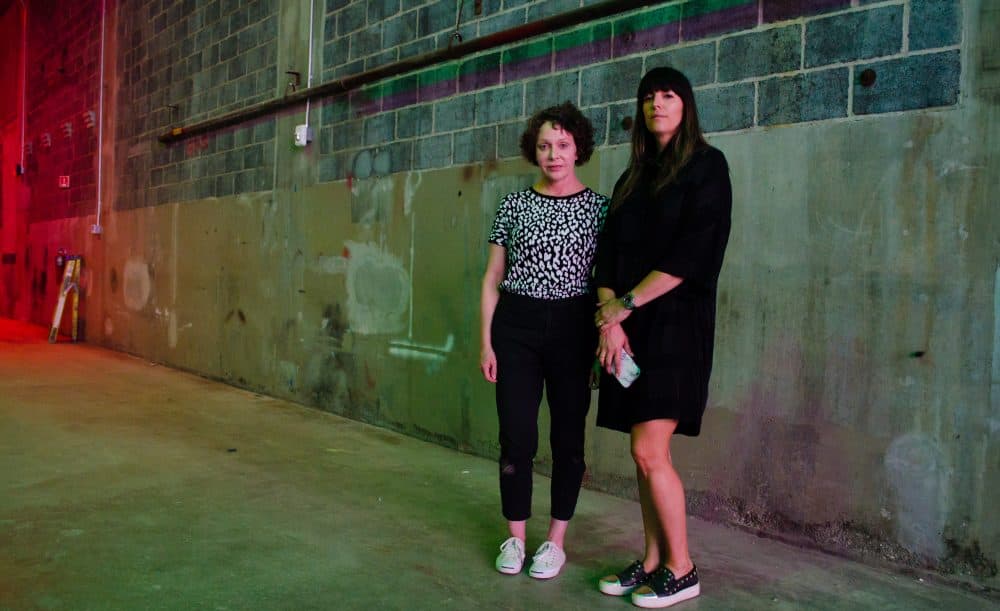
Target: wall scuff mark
(377, 290)
(919, 478)
(137, 284)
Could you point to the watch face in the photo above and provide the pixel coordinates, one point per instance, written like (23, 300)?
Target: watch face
(628, 301)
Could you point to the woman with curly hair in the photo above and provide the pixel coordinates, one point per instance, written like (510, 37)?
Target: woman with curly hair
(536, 330)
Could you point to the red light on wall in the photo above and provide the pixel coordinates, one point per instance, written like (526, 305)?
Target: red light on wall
(64, 182)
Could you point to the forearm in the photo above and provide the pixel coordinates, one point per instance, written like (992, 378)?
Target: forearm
(490, 292)
(613, 309)
(487, 306)
(604, 294)
(654, 285)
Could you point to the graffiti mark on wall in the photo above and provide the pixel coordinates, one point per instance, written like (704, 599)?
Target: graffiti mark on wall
(172, 329)
(378, 290)
(432, 354)
(371, 201)
(137, 284)
(370, 162)
(332, 264)
(413, 180)
(333, 325)
(422, 352)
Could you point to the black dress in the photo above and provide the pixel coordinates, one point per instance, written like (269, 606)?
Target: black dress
(683, 231)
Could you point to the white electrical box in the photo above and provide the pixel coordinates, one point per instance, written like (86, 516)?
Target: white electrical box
(303, 135)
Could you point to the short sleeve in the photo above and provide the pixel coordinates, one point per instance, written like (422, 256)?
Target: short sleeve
(602, 211)
(696, 250)
(500, 233)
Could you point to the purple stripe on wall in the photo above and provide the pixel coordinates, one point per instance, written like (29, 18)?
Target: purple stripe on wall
(399, 100)
(438, 90)
(777, 10)
(727, 20)
(644, 40)
(479, 80)
(590, 53)
(363, 104)
(535, 66)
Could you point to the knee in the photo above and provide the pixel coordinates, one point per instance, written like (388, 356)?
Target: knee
(649, 459)
(510, 466)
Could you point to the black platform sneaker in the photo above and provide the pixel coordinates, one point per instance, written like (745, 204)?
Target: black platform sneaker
(624, 582)
(663, 589)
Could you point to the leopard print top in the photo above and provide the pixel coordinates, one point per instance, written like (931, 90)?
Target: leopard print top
(550, 242)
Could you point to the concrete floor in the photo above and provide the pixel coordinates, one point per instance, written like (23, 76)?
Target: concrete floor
(126, 485)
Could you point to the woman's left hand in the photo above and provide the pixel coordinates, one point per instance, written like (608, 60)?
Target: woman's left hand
(610, 312)
(612, 342)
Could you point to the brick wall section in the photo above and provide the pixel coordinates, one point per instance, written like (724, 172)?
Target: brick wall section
(754, 64)
(63, 67)
(186, 61)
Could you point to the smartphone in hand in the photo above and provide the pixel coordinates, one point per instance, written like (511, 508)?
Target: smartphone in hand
(628, 370)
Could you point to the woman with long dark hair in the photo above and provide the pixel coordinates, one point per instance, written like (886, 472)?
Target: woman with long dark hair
(657, 268)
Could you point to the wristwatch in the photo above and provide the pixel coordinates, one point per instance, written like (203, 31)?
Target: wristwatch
(628, 300)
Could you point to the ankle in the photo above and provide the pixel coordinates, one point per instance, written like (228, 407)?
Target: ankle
(680, 569)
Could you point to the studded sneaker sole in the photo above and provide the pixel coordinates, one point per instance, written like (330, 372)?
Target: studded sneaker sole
(624, 582)
(663, 589)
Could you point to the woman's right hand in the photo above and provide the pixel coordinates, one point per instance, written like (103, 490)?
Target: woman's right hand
(609, 349)
(488, 363)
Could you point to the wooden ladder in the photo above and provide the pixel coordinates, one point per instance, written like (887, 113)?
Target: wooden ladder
(70, 283)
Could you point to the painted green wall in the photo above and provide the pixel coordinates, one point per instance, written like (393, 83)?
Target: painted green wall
(855, 394)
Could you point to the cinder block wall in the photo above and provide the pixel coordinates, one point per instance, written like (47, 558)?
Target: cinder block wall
(855, 390)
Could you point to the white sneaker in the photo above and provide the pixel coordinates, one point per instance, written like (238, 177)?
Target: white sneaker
(511, 557)
(547, 561)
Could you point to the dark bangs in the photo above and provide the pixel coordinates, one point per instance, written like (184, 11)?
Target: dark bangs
(665, 79)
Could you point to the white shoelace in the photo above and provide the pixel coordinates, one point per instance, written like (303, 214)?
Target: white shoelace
(547, 555)
(512, 551)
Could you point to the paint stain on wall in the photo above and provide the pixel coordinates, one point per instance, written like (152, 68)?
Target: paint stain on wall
(378, 290)
(172, 329)
(371, 201)
(413, 180)
(238, 314)
(137, 284)
(333, 322)
(329, 381)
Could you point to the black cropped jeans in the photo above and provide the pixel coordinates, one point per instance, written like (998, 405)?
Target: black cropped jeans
(550, 343)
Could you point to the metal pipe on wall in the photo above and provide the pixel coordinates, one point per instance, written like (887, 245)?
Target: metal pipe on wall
(24, 81)
(96, 228)
(497, 39)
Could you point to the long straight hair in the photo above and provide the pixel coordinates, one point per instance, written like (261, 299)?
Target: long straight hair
(646, 163)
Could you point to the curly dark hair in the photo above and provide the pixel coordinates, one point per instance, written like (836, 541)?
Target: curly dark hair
(567, 117)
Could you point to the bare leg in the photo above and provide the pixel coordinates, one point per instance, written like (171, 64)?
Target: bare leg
(651, 451)
(557, 532)
(517, 529)
(656, 547)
